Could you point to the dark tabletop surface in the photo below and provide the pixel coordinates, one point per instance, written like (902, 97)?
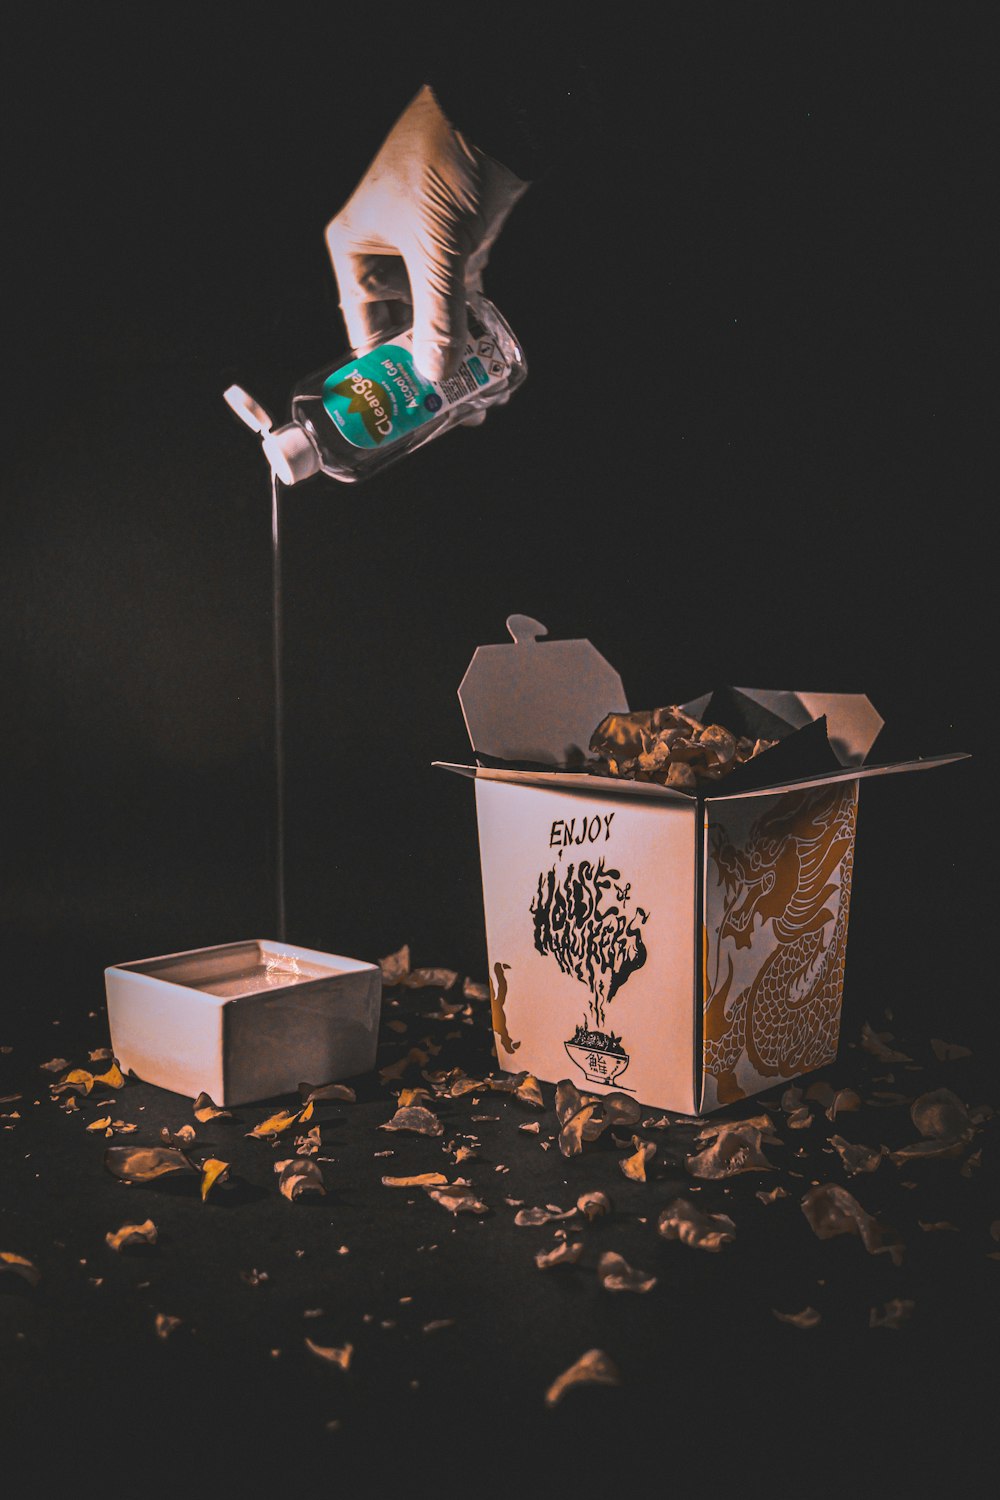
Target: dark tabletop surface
(753, 448)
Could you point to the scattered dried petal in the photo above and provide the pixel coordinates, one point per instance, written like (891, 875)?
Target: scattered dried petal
(422, 1179)
(530, 1218)
(297, 1176)
(165, 1325)
(772, 1196)
(831, 1210)
(592, 1368)
(422, 979)
(530, 1127)
(876, 1045)
(634, 1166)
(317, 1093)
(566, 1253)
(572, 1134)
(948, 1051)
(436, 1324)
(529, 1091)
(616, 1275)
(274, 1124)
(855, 1156)
(331, 1355)
(395, 965)
(807, 1318)
(130, 1235)
(212, 1171)
(415, 1119)
(114, 1078)
(205, 1110)
(681, 1220)
(844, 1101)
(77, 1081)
(101, 1054)
(593, 1205)
(941, 1115)
(103, 1124)
(308, 1144)
(19, 1266)
(182, 1137)
(54, 1065)
(736, 1149)
(144, 1163)
(936, 1225)
(895, 1314)
(459, 1198)
(473, 989)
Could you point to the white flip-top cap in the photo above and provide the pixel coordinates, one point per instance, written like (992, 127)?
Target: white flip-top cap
(291, 453)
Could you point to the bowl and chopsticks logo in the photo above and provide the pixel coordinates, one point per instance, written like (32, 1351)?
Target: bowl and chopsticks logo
(582, 919)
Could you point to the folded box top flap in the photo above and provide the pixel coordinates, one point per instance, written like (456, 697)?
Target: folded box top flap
(537, 701)
(852, 723)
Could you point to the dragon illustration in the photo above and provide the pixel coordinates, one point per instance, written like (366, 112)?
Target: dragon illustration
(786, 891)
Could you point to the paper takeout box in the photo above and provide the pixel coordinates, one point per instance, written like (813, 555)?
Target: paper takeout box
(685, 947)
(244, 1021)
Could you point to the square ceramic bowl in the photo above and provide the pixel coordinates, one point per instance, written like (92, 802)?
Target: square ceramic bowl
(244, 1021)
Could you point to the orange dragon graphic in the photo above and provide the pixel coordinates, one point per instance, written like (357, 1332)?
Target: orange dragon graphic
(784, 893)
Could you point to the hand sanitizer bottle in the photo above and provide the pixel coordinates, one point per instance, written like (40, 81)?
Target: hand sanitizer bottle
(372, 408)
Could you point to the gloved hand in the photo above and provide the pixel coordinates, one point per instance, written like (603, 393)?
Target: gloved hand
(413, 239)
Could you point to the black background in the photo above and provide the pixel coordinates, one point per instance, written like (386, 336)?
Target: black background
(752, 448)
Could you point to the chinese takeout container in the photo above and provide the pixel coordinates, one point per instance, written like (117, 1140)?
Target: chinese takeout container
(244, 1021)
(686, 947)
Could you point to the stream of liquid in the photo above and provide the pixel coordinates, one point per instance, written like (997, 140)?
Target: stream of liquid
(277, 619)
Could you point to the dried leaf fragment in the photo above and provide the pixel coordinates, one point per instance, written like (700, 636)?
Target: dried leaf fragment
(331, 1354)
(566, 1253)
(182, 1137)
(274, 1124)
(592, 1368)
(593, 1205)
(681, 1220)
(831, 1210)
(165, 1325)
(18, 1265)
(416, 1120)
(212, 1171)
(317, 1093)
(145, 1163)
(114, 1078)
(573, 1133)
(422, 1179)
(205, 1109)
(395, 965)
(855, 1156)
(458, 1198)
(895, 1314)
(130, 1235)
(77, 1081)
(941, 1115)
(616, 1275)
(530, 1218)
(807, 1318)
(948, 1051)
(735, 1149)
(54, 1065)
(634, 1166)
(299, 1175)
(771, 1196)
(877, 1045)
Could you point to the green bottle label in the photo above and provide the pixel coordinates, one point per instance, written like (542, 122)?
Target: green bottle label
(381, 395)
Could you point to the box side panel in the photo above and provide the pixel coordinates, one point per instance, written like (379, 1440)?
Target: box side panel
(588, 904)
(776, 901)
(165, 1034)
(310, 1033)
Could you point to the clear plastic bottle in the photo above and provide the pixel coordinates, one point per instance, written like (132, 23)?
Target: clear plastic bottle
(370, 409)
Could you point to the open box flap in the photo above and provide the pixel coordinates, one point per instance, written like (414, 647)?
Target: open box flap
(537, 700)
(853, 724)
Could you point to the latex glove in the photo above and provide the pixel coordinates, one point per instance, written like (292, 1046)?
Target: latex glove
(411, 242)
